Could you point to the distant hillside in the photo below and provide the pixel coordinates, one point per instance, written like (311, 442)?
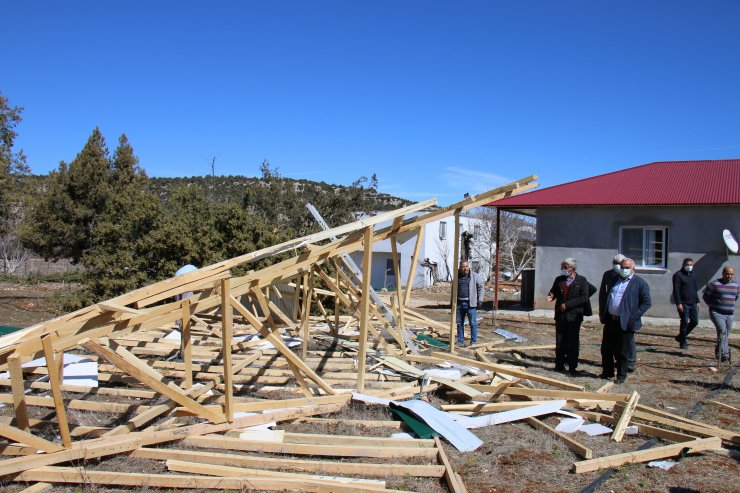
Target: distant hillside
(233, 188)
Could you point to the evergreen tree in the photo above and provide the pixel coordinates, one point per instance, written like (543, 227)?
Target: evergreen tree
(12, 167)
(61, 221)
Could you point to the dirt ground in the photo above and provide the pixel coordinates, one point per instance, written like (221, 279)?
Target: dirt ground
(516, 457)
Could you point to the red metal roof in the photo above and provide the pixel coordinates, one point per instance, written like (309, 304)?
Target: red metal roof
(662, 183)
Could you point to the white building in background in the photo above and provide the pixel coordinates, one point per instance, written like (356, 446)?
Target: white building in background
(435, 259)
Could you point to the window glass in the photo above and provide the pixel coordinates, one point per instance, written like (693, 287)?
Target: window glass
(645, 245)
(443, 230)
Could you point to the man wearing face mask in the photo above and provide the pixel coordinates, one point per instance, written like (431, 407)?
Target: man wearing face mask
(570, 291)
(469, 297)
(687, 301)
(621, 312)
(606, 279)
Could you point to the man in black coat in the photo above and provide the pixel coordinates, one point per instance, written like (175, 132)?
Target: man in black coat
(570, 293)
(621, 313)
(687, 301)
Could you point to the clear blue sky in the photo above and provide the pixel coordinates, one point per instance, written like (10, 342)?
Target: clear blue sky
(437, 98)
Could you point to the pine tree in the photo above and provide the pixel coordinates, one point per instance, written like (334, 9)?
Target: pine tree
(12, 167)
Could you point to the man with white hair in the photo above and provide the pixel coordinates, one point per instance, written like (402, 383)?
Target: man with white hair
(570, 291)
(607, 279)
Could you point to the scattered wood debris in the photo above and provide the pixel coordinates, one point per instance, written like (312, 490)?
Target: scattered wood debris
(167, 377)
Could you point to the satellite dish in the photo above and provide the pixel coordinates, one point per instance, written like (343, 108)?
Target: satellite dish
(730, 241)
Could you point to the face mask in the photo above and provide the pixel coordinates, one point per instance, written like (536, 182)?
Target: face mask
(688, 268)
(625, 272)
(564, 272)
(616, 268)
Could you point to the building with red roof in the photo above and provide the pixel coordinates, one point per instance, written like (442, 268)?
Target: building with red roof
(658, 214)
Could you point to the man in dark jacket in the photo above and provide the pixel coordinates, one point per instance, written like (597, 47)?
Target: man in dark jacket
(621, 312)
(606, 280)
(571, 294)
(687, 301)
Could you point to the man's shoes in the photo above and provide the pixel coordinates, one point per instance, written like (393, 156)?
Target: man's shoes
(621, 379)
(684, 345)
(574, 373)
(606, 376)
(559, 368)
(631, 369)
(460, 344)
(724, 359)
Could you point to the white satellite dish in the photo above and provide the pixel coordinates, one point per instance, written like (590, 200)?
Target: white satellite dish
(730, 241)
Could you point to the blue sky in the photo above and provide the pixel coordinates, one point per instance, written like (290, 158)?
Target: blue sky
(437, 98)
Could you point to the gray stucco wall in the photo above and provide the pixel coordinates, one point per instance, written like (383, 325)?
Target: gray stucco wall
(591, 236)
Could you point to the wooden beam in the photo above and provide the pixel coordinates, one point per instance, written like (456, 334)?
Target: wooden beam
(414, 263)
(400, 319)
(227, 314)
(134, 367)
(454, 483)
(277, 341)
(364, 306)
(507, 371)
(19, 392)
(187, 345)
(453, 297)
(577, 447)
(56, 391)
(306, 282)
(26, 438)
(712, 443)
(624, 419)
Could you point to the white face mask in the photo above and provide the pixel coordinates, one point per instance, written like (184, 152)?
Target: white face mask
(625, 272)
(564, 272)
(616, 268)
(688, 268)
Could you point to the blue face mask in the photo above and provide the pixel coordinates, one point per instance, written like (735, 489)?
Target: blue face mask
(625, 272)
(564, 272)
(616, 268)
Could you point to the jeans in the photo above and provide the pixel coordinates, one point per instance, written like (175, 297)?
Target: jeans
(689, 320)
(723, 324)
(464, 309)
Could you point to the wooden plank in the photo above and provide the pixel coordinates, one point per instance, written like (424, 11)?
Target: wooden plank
(577, 447)
(19, 392)
(401, 318)
(277, 341)
(38, 488)
(229, 471)
(26, 438)
(642, 428)
(70, 475)
(507, 371)
(56, 392)
(328, 450)
(134, 367)
(364, 306)
(453, 480)
(114, 445)
(306, 282)
(414, 263)
(316, 466)
(227, 313)
(624, 419)
(453, 297)
(712, 443)
(187, 344)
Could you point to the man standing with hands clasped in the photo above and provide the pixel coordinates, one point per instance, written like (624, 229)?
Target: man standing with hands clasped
(570, 291)
(469, 297)
(687, 301)
(621, 313)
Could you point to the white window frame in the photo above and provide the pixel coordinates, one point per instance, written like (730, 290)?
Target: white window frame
(442, 230)
(642, 264)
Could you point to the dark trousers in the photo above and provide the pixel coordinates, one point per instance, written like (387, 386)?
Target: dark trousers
(567, 343)
(617, 347)
(689, 320)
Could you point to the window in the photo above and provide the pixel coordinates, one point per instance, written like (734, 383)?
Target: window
(645, 245)
(442, 230)
(476, 232)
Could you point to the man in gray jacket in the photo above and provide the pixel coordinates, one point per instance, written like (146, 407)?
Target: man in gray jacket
(469, 297)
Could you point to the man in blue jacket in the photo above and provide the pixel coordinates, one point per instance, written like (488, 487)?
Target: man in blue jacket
(621, 313)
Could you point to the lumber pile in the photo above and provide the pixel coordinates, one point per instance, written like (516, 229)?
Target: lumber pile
(233, 367)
